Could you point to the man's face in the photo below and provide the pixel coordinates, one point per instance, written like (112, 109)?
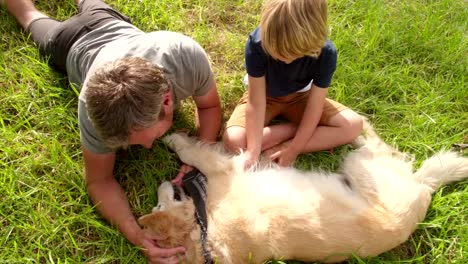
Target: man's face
(146, 137)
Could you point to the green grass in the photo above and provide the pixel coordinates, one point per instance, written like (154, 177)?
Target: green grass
(403, 64)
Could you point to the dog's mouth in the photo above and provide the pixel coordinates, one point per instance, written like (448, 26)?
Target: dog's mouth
(177, 192)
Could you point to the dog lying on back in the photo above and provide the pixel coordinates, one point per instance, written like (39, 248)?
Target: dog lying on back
(370, 205)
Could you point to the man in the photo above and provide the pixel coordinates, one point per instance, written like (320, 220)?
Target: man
(130, 82)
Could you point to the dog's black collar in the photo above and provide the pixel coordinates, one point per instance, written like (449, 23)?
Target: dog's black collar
(195, 184)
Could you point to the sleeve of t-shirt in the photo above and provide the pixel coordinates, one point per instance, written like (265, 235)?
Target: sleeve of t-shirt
(88, 135)
(327, 60)
(203, 74)
(255, 57)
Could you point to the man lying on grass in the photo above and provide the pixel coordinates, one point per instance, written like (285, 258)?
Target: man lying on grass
(130, 82)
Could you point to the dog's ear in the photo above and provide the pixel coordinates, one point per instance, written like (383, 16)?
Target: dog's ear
(170, 229)
(156, 223)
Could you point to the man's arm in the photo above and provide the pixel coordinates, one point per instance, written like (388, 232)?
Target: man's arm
(112, 203)
(208, 118)
(208, 123)
(107, 194)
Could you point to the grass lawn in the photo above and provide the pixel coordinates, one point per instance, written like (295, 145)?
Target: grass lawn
(403, 64)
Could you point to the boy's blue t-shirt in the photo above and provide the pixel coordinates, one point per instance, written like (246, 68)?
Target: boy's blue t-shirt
(283, 79)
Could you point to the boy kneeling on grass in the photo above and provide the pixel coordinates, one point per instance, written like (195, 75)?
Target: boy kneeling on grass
(290, 63)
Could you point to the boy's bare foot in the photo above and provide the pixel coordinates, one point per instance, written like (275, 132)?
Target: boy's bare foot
(268, 153)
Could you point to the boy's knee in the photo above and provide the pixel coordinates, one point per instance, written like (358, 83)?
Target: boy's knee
(234, 139)
(355, 125)
(350, 122)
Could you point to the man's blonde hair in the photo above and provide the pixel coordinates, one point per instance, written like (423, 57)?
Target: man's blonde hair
(294, 28)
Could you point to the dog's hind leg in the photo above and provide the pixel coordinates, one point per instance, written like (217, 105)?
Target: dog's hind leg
(369, 144)
(441, 169)
(368, 136)
(363, 167)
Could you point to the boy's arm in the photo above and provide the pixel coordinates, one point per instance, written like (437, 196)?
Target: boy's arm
(309, 122)
(255, 118)
(208, 117)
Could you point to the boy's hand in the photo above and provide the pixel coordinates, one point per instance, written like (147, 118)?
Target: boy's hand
(250, 160)
(182, 171)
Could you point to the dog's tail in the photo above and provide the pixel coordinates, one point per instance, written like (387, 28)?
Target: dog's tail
(441, 169)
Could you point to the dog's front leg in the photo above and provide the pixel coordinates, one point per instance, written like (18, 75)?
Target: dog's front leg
(203, 157)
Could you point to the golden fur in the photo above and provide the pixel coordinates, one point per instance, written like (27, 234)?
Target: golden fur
(370, 205)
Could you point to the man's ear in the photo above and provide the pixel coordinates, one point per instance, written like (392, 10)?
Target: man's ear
(167, 98)
(168, 103)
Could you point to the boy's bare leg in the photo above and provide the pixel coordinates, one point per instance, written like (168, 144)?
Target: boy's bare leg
(277, 134)
(341, 129)
(23, 10)
(235, 137)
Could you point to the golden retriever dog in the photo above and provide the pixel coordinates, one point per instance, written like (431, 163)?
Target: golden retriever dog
(370, 205)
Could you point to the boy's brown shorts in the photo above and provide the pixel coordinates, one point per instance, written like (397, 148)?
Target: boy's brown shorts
(290, 107)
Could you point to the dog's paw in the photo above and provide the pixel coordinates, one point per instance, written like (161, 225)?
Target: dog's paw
(176, 141)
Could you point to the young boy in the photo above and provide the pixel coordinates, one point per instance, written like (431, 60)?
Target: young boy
(290, 63)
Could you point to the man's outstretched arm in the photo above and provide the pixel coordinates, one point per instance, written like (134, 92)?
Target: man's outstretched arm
(112, 203)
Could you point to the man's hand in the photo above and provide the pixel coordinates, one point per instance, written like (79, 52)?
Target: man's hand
(157, 255)
(184, 169)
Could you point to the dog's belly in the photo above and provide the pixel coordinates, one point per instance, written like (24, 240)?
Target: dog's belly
(293, 192)
(299, 214)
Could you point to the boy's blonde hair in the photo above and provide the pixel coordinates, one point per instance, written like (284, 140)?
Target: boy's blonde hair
(293, 28)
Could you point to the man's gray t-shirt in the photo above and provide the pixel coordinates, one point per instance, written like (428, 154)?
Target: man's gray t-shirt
(182, 59)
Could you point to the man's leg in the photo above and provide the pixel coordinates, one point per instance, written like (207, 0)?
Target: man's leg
(40, 26)
(24, 11)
